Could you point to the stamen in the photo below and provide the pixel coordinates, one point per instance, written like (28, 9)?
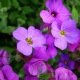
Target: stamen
(62, 33)
(29, 41)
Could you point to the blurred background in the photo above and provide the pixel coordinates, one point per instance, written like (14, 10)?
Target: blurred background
(14, 13)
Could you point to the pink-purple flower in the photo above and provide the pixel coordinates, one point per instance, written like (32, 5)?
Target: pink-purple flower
(64, 74)
(28, 39)
(7, 73)
(35, 67)
(4, 57)
(45, 53)
(64, 34)
(56, 12)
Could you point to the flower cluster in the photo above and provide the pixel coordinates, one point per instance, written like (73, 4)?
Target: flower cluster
(6, 71)
(41, 47)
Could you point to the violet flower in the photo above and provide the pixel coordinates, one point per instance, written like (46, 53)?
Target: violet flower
(65, 62)
(4, 58)
(28, 39)
(29, 77)
(1, 75)
(35, 67)
(74, 47)
(64, 74)
(56, 12)
(6, 73)
(45, 53)
(67, 33)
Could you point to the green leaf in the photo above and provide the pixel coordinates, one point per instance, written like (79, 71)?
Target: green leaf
(27, 10)
(75, 14)
(15, 3)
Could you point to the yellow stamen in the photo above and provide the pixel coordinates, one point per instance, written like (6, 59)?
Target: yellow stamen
(62, 33)
(29, 41)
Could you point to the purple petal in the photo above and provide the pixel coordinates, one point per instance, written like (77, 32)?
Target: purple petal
(20, 33)
(49, 40)
(60, 43)
(72, 47)
(68, 25)
(64, 57)
(31, 32)
(9, 73)
(1, 76)
(41, 50)
(55, 30)
(63, 13)
(52, 52)
(37, 68)
(5, 58)
(46, 16)
(71, 65)
(24, 48)
(38, 40)
(29, 77)
(64, 74)
(71, 31)
(53, 4)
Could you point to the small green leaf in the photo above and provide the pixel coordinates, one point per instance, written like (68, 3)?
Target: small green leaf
(75, 14)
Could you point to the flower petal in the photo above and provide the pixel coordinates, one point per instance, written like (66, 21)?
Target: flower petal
(60, 43)
(31, 32)
(46, 16)
(41, 50)
(37, 68)
(1, 76)
(55, 30)
(68, 25)
(24, 48)
(30, 77)
(20, 33)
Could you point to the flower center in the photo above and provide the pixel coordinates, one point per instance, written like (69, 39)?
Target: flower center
(29, 41)
(54, 14)
(62, 32)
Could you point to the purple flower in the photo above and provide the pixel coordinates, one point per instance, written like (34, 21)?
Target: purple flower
(35, 67)
(6, 73)
(56, 12)
(64, 34)
(66, 62)
(29, 77)
(45, 53)
(49, 40)
(74, 47)
(64, 74)
(28, 39)
(1, 75)
(4, 58)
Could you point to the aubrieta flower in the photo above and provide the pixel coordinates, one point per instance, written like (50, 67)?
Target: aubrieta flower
(75, 47)
(4, 57)
(65, 62)
(35, 67)
(64, 34)
(28, 39)
(45, 53)
(7, 73)
(64, 74)
(56, 12)
(30, 77)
